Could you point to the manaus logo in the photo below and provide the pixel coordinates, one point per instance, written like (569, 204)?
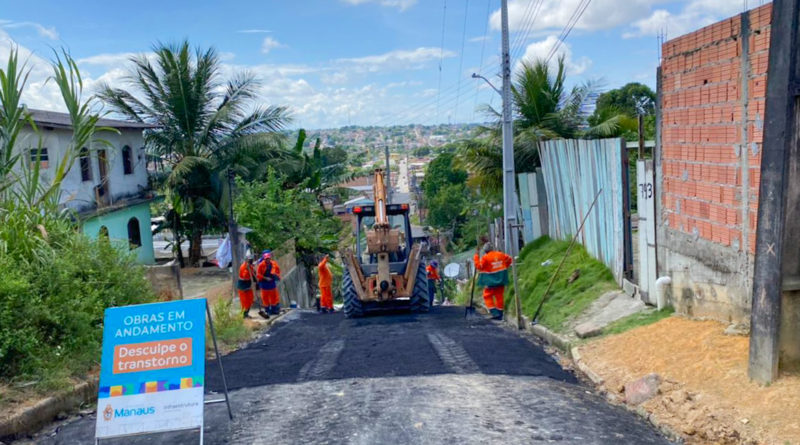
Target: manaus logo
(108, 413)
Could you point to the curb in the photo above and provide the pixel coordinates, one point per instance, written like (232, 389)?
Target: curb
(572, 352)
(551, 338)
(614, 399)
(44, 411)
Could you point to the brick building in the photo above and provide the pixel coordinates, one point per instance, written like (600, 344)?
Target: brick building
(712, 88)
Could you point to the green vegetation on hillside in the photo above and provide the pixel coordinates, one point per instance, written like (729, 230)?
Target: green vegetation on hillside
(565, 300)
(56, 282)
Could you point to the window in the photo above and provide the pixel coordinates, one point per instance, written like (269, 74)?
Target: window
(127, 160)
(40, 154)
(134, 236)
(86, 165)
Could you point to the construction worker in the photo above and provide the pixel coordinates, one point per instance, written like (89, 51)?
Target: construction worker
(268, 275)
(493, 268)
(245, 286)
(325, 283)
(433, 277)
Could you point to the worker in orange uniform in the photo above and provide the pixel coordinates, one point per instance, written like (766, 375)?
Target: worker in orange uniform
(268, 275)
(245, 286)
(493, 268)
(325, 283)
(433, 278)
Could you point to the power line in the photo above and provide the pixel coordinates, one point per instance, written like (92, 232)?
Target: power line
(461, 61)
(526, 25)
(528, 30)
(441, 53)
(525, 16)
(483, 49)
(568, 28)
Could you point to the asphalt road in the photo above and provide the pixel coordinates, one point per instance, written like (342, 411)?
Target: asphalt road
(402, 378)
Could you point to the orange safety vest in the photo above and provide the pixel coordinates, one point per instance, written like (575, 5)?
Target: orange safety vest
(493, 267)
(433, 273)
(325, 275)
(268, 281)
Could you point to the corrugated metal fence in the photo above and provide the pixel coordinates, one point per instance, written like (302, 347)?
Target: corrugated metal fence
(574, 171)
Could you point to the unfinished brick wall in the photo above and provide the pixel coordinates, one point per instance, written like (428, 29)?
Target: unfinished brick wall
(708, 191)
(713, 88)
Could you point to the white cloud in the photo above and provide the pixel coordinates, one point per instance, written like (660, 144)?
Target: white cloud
(269, 44)
(320, 96)
(429, 92)
(254, 31)
(47, 32)
(480, 38)
(399, 4)
(108, 59)
(555, 14)
(397, 59)
(694, 15)
(541, 49)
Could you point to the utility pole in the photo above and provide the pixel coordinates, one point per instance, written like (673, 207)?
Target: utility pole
(233, 236)
(641, 137)
(388, 176)
(509, 187)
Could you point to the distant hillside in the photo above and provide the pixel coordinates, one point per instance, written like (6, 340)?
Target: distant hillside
(399, 137)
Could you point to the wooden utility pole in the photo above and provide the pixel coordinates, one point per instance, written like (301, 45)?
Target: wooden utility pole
(641, 136)
(780, 140)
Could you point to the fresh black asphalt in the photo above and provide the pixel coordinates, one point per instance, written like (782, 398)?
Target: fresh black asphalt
(427, 378)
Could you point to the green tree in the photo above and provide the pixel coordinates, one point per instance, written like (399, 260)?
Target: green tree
(421, 151)
(629, 101)
(441, 172)
(277, 214)
(445, 194)
(446, 209)
(203, 126)
(544, 109)
(334, 156)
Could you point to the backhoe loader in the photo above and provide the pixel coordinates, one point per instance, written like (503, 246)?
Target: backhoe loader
(384, 271)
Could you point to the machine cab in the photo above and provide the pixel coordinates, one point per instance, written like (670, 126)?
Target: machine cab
(398, 220)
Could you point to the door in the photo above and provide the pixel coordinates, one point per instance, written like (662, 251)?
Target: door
(647, 230)
(103, 192)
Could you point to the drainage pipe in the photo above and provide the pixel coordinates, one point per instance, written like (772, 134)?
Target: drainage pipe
(661, 291)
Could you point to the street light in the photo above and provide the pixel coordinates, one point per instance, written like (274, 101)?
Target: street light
(478, 76)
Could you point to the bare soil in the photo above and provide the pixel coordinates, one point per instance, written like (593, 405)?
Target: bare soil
(706, 394)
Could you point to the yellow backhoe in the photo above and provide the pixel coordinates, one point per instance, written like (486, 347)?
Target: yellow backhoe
(384, 271)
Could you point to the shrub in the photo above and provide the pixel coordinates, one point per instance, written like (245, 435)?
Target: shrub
(56, 284)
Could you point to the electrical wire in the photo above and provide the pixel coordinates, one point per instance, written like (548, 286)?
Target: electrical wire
(461, 61)
(483, 50)
(441, 52)
(568, 28)
(529, 29)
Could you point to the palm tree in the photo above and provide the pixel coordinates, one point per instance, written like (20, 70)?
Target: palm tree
(310, 172)
(203, 127)
(543, 109)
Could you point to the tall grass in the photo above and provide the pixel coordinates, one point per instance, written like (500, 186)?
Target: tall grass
(565, 300)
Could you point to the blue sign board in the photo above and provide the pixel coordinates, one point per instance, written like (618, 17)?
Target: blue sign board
(153, 368)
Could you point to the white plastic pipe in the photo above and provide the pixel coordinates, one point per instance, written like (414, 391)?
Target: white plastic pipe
(661, 291)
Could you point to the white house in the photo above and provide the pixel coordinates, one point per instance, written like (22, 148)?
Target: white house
(108, 185)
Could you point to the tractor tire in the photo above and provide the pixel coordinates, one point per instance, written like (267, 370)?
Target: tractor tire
(353, 307)
(419, 302)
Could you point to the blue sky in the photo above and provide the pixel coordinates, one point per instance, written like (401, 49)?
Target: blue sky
(366, 62)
